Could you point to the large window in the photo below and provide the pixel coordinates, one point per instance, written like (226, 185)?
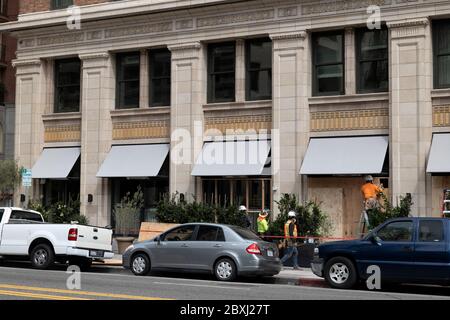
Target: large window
(67, 85)
(128, 73)
(183, 233)
(431, 231)
(221, 72)
(328, 57)
(441, 43)
(372, 60)
(61, 4)
(400, 231)
(160, 66)
(259, 69)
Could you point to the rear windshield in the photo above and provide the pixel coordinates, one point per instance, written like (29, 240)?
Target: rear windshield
(245, 234)
(25, 216)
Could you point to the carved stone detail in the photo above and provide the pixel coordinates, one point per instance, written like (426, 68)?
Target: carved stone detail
(441, 116)
(139, 29)
(235, 18)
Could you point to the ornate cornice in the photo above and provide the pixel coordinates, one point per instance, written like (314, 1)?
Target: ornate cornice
(26, 63)
(185, 46)
(408, 23)
(288, 35)
(94, 56)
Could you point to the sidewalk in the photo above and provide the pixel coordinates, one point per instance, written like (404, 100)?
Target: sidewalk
(301, 277)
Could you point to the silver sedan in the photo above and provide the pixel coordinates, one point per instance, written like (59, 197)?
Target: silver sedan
(224, 250)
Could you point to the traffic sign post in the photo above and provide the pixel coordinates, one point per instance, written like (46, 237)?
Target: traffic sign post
(26, 178)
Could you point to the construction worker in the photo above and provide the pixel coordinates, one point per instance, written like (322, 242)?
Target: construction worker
(370, 193)
(246, 220)
(290, 232)
(262, 223)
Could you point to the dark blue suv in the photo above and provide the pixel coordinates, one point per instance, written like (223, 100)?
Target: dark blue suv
(407, 250)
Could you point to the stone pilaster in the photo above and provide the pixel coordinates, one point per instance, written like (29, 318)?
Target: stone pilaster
(96, 132)
(240, 70)
(290, 134)
(350, 61)
(30, 105)
(410, 111)
(188, 97)
(144, 80)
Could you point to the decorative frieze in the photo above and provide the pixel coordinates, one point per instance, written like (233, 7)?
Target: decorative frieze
(61, 39)
(441, 116)
(236, 18)
(184, 24)
(338, 5)
(410, 28)
(139, 30)
(350, 120)
(141, 130)
(62, 133)
(240, 123)
(287, 12)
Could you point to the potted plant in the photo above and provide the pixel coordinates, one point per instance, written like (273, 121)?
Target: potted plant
(127, 216)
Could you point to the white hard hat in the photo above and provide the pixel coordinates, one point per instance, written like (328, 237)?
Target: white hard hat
(368, 178)
(291, 214)
(242, 208)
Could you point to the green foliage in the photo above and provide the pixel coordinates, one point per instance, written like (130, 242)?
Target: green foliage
(311, 220)
(127, 213)
(171, 209)
(387, 211)
(10, 175)
(60, 212)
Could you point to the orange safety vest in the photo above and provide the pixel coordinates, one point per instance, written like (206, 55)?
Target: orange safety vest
(286, 230)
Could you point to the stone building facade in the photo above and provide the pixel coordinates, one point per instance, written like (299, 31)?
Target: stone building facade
(330, 91)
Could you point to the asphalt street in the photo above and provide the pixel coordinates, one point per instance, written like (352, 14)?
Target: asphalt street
(19, 281)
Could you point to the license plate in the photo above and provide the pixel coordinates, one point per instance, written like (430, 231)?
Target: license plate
(269, 253)
(96, 253)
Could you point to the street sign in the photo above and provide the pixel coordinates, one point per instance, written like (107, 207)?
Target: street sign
(26, 178)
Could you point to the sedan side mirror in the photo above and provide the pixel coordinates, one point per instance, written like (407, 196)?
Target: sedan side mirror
(375, 239)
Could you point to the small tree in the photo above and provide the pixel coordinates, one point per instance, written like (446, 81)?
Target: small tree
(10, 175)
(127, 213)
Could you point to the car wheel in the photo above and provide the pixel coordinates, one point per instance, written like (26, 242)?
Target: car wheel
(42, 256)
(140, 264)
(225, 270)
(340, 273)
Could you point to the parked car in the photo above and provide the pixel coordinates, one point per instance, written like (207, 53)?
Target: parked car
(223, 250)
(25, 235)
(407, 250)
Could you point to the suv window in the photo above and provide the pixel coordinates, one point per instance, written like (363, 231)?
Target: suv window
(180, 234)
(25, 215)
(245, 234)
(1, 214)
(396, 231)
(210, 233)
(431, 231)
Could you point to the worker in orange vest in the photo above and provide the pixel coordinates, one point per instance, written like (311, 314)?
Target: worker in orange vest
(290, 234)
(370, 193)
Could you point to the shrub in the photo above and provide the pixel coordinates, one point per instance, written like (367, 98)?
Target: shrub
(127, 213)
(60, 212)
(387, 211)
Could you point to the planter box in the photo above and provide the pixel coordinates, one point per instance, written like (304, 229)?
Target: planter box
(150, 230)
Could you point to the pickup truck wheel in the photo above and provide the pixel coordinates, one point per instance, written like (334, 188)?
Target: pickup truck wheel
(42, 256)
(140, 264)
(340, 273)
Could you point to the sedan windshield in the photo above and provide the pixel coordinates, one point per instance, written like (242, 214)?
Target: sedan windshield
(245, 234)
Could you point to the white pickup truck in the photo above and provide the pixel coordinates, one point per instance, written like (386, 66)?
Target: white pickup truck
(24, 234)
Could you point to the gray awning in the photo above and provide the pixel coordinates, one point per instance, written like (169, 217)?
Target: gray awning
(134, 161)
(55, 163)
(349, 155)
(232, 158)
(439, 160)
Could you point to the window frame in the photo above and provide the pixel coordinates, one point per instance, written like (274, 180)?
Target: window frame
(119, 57)
(428, 241)
(218, 229)
(315, 91)
(56, 86)
(249, 70)
(194, 232)
(359, 32)
(398, 221)
(54, 4)
(211, 97)
(436, 29)
(152, 77)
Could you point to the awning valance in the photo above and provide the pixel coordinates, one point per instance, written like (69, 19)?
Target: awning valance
(232, 158)
(346, 155)
(134, 161)
(439, 160)
(55, 163)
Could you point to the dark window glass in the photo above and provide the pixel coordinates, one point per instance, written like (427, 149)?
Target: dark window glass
(209, 191)
(255, 194)
(180, 234)
(224, 192)
(67, 85)
(372, 63)
(24, 215)
(441, 44)
(431, 231)
(1, 214)
(240, 192)
(396, 231)
(221, 72)
(245, 234)
(61, 4)
(210, 233)
(328, 55)
(259, 69)
(160, 69)
(267, 194)
(128, 71)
